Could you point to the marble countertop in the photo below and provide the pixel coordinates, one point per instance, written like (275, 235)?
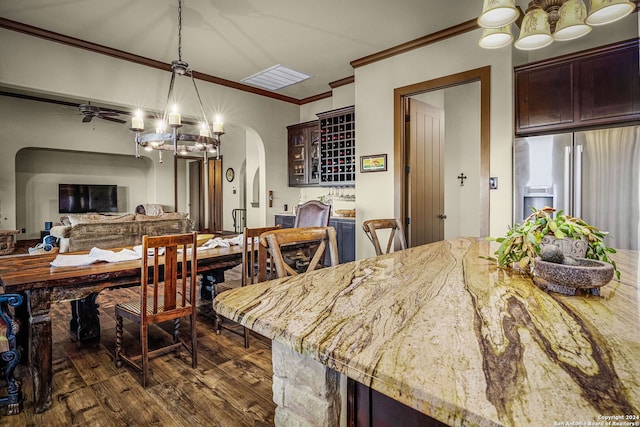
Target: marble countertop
(446, 332)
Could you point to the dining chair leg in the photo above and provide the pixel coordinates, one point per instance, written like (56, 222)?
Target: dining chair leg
(218, 324)
(145, 354)
(176, 330)
(118, 351)
(194, 342)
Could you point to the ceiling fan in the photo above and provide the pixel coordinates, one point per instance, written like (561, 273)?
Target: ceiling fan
(90, 111)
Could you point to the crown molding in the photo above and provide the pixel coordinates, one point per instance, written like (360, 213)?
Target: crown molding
(137, 59)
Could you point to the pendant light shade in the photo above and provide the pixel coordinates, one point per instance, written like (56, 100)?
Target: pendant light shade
(494, 38)
(571, 23)
(498, 13)
(603, 12)
(535, 32)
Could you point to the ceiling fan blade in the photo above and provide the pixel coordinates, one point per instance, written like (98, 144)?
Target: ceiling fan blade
(108, 113)
(111, 119)
(87, 119)
(114, 111)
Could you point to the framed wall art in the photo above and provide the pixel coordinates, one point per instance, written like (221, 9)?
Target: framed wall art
(373, 163)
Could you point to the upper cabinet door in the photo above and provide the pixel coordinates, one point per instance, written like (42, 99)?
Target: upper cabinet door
(609, 86)
(544, 96)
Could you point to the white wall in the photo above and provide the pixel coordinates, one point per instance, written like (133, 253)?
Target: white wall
(234, 152)
(308, 111)
(42, 66)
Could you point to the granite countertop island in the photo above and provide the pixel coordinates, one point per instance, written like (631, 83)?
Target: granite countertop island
(446, 332)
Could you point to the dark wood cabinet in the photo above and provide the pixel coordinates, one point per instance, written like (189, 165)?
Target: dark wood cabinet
(586, 89)
(323, 152)
(544, 97)
(345, 235)
(609, 86)
(285, 221)
(369, 408)
(338, 147)
(304, 154)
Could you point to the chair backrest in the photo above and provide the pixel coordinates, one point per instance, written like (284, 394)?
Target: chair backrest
(395, 227)
(175, 289)
(312, 214)
(250, 254)
(318, 239)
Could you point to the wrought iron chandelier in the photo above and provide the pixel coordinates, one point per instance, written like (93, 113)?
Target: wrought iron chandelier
(167, 136)
(546, 21)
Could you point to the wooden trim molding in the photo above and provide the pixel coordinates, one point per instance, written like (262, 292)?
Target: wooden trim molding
(137, 59)
(436, 37)
(315, 98)
(483, 75)
(342, 82)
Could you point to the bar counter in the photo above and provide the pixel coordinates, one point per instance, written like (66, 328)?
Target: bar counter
(445, 331)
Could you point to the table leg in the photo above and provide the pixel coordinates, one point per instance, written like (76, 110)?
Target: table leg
(40, 347)
(208, 281)
(85, 321)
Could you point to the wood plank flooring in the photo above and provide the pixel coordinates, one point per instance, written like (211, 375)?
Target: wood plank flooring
(230, 387)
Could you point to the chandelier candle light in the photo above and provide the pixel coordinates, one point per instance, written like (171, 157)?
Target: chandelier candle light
(208, 138)
(546, 21)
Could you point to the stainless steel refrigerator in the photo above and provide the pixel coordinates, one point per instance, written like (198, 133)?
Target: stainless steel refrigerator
(594, 175)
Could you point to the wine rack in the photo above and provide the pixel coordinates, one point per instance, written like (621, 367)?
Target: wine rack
(337, 147)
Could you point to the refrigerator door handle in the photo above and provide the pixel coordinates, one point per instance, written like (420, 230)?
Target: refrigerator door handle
(567, 179)
(577, 178)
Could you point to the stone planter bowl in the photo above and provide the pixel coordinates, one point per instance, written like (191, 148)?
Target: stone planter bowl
(589, 275)
(575, 248)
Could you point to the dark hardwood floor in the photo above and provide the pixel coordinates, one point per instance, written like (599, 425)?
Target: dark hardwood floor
(230, 387)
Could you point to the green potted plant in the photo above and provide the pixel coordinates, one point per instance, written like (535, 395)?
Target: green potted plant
(521, 245)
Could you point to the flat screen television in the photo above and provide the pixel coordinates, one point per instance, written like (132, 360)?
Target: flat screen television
(83, 198)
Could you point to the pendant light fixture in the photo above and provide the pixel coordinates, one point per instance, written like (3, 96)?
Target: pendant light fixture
(546, 21)
(207, 140)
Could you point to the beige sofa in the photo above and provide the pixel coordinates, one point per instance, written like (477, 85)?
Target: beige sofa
(83, 232)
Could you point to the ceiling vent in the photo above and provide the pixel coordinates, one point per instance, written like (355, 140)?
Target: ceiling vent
(275, 78)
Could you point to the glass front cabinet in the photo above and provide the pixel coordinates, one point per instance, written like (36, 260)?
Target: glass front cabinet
(304, 154)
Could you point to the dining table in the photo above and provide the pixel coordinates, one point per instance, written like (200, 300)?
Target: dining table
(43, 284)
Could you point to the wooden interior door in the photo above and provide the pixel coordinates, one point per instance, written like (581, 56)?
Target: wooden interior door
(425, 177)
(196, 196)
(214, 192)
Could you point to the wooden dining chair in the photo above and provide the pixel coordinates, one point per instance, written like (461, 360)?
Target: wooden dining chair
(250, 266)
(167, 292)
(317, 238)
(312, 214)
(395, 227)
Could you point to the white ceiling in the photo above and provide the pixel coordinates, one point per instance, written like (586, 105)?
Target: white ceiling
(234, 39)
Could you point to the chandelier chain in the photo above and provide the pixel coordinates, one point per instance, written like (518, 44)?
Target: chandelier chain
(179, 30)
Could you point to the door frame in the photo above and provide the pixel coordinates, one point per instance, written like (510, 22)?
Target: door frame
(400, 95)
